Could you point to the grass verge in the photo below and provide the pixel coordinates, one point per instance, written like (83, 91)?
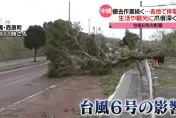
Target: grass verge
(166, 83)
(77, 113)
(110, 81)
(166, 73)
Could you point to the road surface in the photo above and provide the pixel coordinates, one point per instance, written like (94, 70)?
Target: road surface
(129, 88)
(20, 61)
(16, 85)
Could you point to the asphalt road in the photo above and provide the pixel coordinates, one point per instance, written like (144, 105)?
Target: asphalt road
(21, 83)
(20, 61)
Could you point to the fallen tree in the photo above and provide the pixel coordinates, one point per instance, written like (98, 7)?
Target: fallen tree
(67, 45)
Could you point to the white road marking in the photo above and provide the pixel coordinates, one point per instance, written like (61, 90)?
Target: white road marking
(121, 79)
(21, 80)
(28, 97)
(111, 96)
(23, 68)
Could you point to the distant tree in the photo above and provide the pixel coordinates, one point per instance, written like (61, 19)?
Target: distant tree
(36, 38)
(130, 39)
(159, 34)
(121, 43)
(47, 26)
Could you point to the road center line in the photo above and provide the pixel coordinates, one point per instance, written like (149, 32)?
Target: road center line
(28, 97)
(5, 72)
(25, 78)
(20, 80)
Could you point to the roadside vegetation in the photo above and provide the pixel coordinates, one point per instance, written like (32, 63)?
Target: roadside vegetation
(110, 81)
(13, 48)
(72, 51)
(166, 73)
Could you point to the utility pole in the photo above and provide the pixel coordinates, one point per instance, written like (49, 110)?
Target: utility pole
(140, 32)
(89, 25)
(96, 30)
(69, 11)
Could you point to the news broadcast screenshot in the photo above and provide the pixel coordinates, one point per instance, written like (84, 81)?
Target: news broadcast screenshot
(88, 59)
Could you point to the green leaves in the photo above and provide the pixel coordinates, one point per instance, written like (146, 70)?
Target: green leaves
(130, 39)
(36, 37)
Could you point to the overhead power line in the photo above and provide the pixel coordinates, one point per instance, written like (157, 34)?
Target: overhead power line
(161, 5)
(39, 7)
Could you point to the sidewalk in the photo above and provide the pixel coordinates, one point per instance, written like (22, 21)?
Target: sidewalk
(130, 88)
(14, 64)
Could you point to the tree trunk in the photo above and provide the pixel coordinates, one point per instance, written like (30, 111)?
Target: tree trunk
(35, 54)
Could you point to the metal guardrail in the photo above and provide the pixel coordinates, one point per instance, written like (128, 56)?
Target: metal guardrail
(149, 77)
(140, 69)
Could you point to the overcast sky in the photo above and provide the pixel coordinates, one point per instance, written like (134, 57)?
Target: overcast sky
(31, 12)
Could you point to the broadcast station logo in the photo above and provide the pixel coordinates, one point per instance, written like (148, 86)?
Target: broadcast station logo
(105, 11)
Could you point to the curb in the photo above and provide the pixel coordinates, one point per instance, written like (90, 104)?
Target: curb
(121, 79)
(111, 96)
